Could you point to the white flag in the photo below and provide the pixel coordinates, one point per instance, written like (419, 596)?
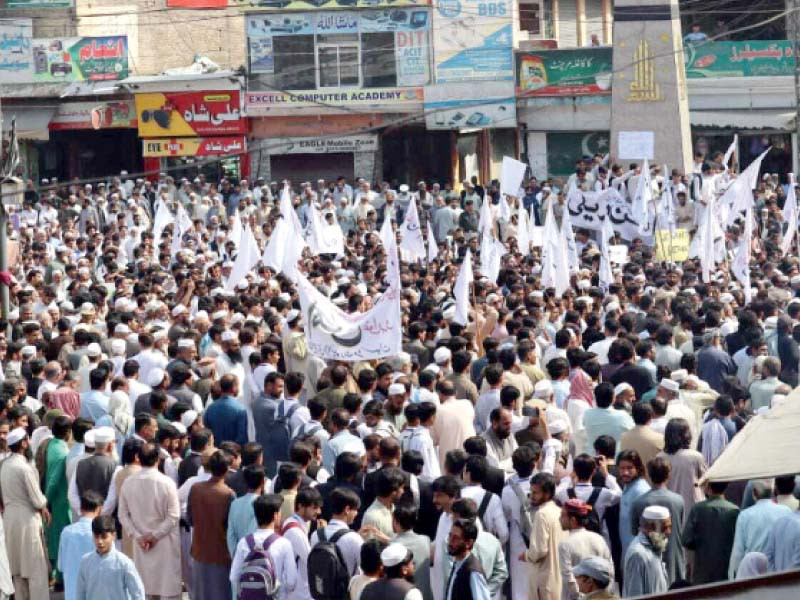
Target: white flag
(324, 238)
(523, 231)
(485, 223)
(275, 250)
(730, 151)
(289, 213)
(512, 172)
(386, 234)
(605, 274)
(740, 265)
(433, 247)
(235, 234)
(790, 216)
(492, 252)
(555, 266)
(246, 259)
(461, 290)
(739, 195)
(570, 248)
(505, 209)
(163, 218)
(412, 245)
(707, 254)
(643, 196)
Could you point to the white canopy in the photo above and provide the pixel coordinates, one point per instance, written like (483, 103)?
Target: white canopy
(768, 446)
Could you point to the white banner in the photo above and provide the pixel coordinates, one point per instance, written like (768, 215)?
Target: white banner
(335, 335)
(588, 209)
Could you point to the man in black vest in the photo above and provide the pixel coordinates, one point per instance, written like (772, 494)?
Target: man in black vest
(398, 576)
(467, 581)
(96, 472)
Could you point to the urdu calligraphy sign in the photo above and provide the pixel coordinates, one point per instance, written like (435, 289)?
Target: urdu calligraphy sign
(588, 209)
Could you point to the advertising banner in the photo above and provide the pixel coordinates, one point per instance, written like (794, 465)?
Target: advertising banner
(473, 40)
(16, 58)
(80, 59)
(353, 143)
(579, 72)
(39, 3)
(261, 103)
(411, 55)
(197, 3)
(283, 5)
(217, 146)
(174, 114)
(755, 58)
(94, 115)
(460, 106)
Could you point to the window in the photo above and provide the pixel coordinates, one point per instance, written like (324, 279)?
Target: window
(529, 15)
(338, 61)
(378, 58)
(295, 68)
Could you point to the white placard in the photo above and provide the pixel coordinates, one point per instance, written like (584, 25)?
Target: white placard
(635, 145)
(618, 253)
(511, 176)
(537, 236)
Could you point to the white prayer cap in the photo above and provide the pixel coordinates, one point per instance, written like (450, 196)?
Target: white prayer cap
(188, 418)
(680, 375)
(185, 343)
(670, 385)
(155, 377)
(584, 284)
(118, 347)
(612, 306)
(726, 298)
(395, 554)
(402, 359)
(243, 284)
(492, 298)
(122, 329)
(103, 435)
(623, 387)
(178, 310)
(442, 355)
(16, 435)
(433, 368)
(397, 389)
(228, 335)
(362, 288)
(539, 294)
(655, 513)
(220, 314)
(292, 315)
(87, 308)
(200, 314)
(161, 334)
(121, 303)
(543, 389)
(216, 291)
(428, 396)
(559, 425)
(30, 351)
(93, 349)
(237, 318)
(88, 438)
(179, 427)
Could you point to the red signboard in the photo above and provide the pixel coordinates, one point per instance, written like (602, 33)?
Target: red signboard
(197, 3)
(217, 146)
(179, 114)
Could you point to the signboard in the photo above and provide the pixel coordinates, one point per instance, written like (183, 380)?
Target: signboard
(635, 145)
(411, 57)
(94, 115)
(618, 253)
(754, 58)
(284, 5)
(260, 103)
(672, 247)
(16, 58)
(216, 146)
(579, 72)
(39, 3)
(80, 59)
(324, 145)
(174, 114)
(197, 3)
(459, 106)
(473, 40)
(562, 148)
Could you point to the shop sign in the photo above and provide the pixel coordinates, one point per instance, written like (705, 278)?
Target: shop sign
(325, 145)
(214, 146)
(473, 40)
(197, 3)
(580, 72)
(261, 103)
(470, 106)
(16, 58)
(39, 3)
(80, 59)
(175, 114)
(286, 5)
(94, 115)
(753, 58)
(411, 57)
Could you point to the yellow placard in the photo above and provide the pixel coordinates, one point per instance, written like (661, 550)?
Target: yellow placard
(672, 247)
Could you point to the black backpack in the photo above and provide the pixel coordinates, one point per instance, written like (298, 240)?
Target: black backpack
(328, 576)
(487, 497)
(593, 520)
(277, 436)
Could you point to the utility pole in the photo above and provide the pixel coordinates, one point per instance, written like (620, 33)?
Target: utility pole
(4, 295)
(796, 50)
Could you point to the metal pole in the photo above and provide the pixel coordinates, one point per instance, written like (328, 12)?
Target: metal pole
(796, 38)
(4, 299)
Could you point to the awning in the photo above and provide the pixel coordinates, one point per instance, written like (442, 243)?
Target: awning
(743, 119)
(32, 122)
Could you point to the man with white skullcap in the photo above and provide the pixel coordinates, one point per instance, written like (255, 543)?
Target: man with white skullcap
(398, 576)
(25, 508)
(644, 568)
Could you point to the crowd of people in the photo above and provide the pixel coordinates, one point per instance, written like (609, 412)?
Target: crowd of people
(167, 430)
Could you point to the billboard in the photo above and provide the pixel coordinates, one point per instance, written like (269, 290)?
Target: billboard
(216, 146)
(462, 106)
(113, 114)
(578, 72)
(474, 41)
(39, 3)
(80, 59)
(197, 3)
(286, 5)
(261, 103)
(16, 59)
(754, 58)
(172, 114)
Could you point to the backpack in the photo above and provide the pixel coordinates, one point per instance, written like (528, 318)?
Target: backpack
(328, 576)
(593, 520)
(257, 580)
(277, 436)
(525, 513)
(306, 434)
(487, 497)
